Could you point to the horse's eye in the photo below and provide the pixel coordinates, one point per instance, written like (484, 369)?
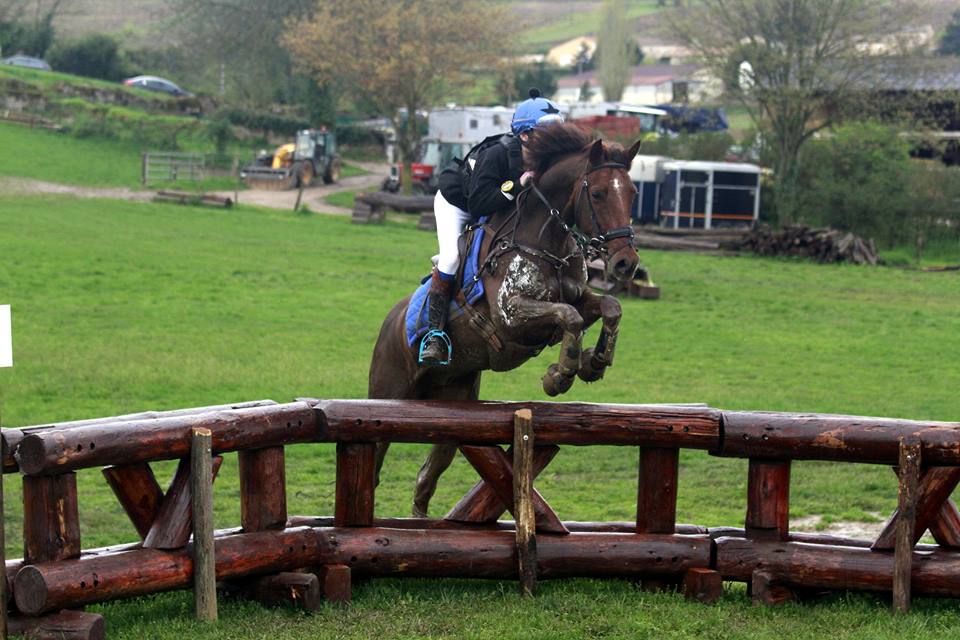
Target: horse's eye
(596, 195)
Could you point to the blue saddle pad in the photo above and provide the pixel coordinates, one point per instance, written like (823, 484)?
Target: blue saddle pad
(416, 320)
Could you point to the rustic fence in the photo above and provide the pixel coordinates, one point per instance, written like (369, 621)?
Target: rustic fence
(275, 557)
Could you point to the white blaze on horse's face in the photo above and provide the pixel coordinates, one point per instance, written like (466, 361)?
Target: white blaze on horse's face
(523, 279)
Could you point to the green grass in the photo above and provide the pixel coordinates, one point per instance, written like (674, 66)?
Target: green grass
(58, 157)
(121, 307)
(348, 170)
(343, 199)
(576, 23)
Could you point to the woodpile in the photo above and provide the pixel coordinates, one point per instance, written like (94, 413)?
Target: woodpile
(193, 199)
(369, 208)
(820, 244)
(711, 241)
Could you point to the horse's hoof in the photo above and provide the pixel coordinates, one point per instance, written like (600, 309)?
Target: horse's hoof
(554, 382)
(591, 367)
(419, 512)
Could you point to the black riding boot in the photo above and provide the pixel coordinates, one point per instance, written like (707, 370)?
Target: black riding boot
(436, 348)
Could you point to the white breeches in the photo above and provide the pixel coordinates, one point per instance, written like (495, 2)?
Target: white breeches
(450, 222)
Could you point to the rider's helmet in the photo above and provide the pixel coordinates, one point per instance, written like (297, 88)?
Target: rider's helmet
(534, 112)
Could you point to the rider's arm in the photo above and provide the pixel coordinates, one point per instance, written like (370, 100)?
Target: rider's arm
(488, 176)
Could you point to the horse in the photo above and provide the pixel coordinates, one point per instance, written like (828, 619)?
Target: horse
(533, 264)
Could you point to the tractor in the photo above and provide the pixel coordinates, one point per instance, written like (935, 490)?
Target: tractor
(296, 164)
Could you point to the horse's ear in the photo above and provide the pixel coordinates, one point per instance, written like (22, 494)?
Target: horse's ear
(632, 152)
(596, 153)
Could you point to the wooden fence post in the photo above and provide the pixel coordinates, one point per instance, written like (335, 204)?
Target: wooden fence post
(523, 501)
(768, 500)
(204, 558)
(906, 521)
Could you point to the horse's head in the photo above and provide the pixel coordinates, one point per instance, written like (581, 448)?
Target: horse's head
(603, 203)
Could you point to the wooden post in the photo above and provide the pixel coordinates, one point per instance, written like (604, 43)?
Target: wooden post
(204, 559)
(657, 500)
(523, 501)
(51, 518)
(263, 493)
(356, 478)
(906, 522)
(139, 493)
(768, 499)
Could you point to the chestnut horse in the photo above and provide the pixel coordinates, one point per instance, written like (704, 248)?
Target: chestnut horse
(533, 263)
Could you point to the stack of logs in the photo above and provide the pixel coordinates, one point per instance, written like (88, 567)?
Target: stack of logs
(370, 208)
(820, 244)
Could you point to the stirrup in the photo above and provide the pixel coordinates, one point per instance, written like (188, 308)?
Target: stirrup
(443, 337)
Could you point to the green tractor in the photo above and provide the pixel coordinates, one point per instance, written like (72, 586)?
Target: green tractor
(297, 164)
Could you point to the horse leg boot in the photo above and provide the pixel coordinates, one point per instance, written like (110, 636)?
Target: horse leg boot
(595, 360)
(435, 349)
(441, 455)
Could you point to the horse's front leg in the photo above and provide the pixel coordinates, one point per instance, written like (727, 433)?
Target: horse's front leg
(537, 313)
(595, 360)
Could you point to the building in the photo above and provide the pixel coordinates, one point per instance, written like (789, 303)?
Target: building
(650, 84)
(565, 54)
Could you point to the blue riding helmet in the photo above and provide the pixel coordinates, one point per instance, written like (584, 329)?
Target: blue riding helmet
(534, 112)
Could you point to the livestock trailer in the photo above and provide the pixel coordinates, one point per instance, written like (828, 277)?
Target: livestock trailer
(705, 195)
(647, 174)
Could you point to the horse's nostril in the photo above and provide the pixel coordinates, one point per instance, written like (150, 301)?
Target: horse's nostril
(621, 266)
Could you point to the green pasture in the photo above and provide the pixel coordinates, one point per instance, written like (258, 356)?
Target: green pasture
(570, 24)
(121, 307)
(94, 162)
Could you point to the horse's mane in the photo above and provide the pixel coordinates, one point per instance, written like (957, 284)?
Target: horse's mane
(553, 142)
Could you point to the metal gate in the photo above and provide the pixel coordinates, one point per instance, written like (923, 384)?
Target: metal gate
(170, 167)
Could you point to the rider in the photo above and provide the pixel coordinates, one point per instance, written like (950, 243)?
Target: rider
(469, 191)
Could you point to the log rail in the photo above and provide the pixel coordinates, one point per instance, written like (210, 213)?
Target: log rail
(277, 557)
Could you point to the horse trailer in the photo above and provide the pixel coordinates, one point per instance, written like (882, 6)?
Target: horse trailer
(693, 194)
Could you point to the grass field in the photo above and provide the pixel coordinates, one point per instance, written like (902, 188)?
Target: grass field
(122, 307)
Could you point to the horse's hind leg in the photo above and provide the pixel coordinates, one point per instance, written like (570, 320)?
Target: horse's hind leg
(439, 458)
(441, 455)
(595, 360)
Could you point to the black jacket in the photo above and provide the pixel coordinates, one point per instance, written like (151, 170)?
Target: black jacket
(481, 195)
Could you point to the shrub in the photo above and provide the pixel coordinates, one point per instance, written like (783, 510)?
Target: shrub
(94, 56)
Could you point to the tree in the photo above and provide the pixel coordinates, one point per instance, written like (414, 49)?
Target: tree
(94, 56)
(950, 43)
(400, 57)
(27, 27)
(790, 62)
(244, 37)
(618, 50)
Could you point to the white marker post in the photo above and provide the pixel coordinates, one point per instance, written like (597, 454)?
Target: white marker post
(6, 360)
(6, 337)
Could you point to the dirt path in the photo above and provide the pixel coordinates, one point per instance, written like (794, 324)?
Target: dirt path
(312, 197)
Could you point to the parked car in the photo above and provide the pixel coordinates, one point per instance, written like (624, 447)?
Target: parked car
(153, 83)
(27, 61)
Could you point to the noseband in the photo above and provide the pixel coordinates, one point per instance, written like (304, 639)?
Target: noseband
(596, 245)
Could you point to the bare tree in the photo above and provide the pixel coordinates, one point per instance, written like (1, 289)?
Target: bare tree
(400, 57)
(614, 45)
(242, 37)
(790, 62)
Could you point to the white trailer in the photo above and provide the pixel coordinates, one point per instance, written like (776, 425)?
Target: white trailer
(467, 124)
(705, 195)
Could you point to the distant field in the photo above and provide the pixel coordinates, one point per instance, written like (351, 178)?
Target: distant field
(122, 307)
(585, 21)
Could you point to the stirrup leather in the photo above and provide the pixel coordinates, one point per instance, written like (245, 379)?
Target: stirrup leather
(441, 335)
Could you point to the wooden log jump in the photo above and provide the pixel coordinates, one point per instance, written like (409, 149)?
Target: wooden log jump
(273, 557)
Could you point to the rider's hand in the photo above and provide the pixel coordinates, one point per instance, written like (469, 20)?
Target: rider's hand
(526, 178)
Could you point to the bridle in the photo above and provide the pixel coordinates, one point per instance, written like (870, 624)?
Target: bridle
(593, 246)
(589, 247)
